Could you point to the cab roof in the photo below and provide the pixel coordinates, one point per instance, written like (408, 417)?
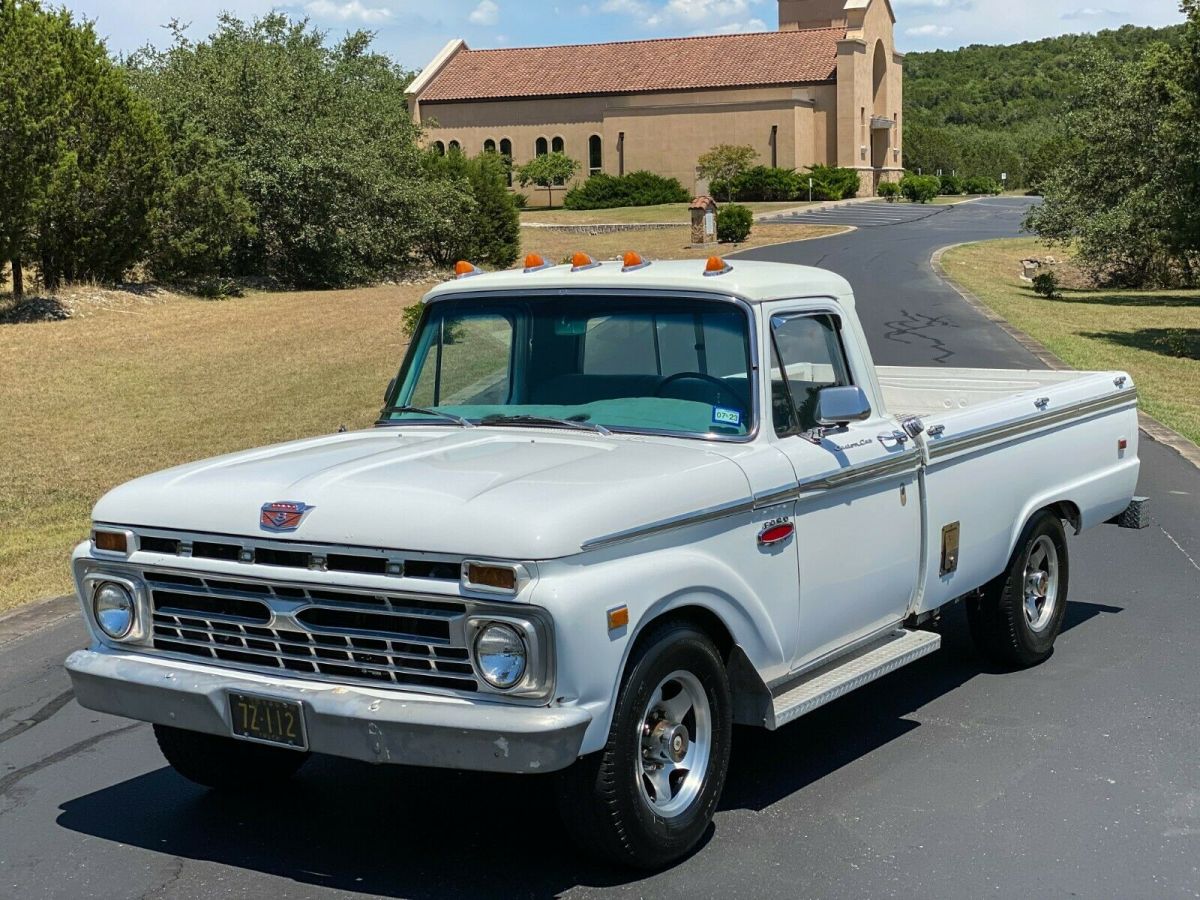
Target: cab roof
(755, 282)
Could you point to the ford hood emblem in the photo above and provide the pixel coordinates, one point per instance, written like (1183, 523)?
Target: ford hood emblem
(283, 515)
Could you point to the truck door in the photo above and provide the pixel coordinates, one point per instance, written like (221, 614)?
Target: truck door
(857, 499)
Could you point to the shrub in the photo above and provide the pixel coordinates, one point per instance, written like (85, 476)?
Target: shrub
(951, 185)
(889, 190)
(830, 183)
(492, 236)
(1046, 285)
(981, 184)
(760, 183)
(734, 224)
(521, 201)
(920, 188)
(635, 189)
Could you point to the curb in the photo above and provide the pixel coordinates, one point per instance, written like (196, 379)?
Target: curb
(1153, 428)
(36, 616)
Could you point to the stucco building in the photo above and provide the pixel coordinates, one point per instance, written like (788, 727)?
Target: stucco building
(825, 88)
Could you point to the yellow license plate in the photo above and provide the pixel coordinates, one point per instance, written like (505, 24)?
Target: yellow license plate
(268, 721)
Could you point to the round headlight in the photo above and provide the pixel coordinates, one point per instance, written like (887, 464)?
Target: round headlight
(501, 655)
(114, 609)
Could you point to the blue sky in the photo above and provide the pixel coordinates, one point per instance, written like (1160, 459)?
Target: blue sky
(412, 31)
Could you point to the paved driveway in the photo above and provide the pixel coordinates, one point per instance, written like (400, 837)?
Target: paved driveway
(945, 779)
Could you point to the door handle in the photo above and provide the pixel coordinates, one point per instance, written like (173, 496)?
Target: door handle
(898, 437)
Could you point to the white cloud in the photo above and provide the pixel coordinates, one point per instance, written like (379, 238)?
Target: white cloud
(1089, 12)
(741, 27)
(486, 13)
(352, 9)
(928, 31)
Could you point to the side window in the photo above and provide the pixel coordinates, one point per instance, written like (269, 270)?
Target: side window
(807, 356)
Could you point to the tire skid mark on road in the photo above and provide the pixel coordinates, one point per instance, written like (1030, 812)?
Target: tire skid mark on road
(66, 753)
(38, 717)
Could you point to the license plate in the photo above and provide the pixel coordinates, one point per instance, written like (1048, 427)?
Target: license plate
(268, 721)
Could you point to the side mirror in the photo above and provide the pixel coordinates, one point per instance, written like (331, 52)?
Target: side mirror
(391, 387)
(839, 406)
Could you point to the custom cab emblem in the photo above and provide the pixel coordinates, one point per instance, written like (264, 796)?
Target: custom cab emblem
(283, 515)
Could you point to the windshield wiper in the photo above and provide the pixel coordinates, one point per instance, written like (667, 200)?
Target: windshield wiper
(580, 424)
(451, 417)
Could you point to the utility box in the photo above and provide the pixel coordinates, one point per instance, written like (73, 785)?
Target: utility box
(704, 220)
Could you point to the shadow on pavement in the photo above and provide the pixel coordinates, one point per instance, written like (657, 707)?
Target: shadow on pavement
(428, 833)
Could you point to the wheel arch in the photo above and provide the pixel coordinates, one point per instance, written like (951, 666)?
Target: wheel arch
(1060, 507)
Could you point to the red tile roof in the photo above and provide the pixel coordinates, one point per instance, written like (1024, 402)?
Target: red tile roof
(734, 60)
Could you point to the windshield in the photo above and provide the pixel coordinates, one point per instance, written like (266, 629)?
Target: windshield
(672, 365)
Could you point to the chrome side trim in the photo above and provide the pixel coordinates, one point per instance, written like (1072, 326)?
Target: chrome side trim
(681, 521)
(969, 440)
(848, 477)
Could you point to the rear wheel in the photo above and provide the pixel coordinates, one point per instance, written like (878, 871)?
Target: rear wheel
(1017, 618)
(647, 798)
(224, 763)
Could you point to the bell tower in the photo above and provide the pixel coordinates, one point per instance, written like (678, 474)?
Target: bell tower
(797, 14)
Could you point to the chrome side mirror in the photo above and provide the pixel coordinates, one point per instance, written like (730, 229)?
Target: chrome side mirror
(839, 406)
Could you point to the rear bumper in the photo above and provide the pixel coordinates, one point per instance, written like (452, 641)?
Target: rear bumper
(357, 723)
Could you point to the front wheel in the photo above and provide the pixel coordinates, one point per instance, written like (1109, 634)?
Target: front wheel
(1018, 615)
(647, 798)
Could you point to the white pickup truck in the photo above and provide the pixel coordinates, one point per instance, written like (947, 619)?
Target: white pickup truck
(609, 510)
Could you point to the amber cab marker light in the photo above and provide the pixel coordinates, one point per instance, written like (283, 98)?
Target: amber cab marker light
(716, 266)
(535, 262)
(581, 261)
(464, 269)
(111, 541)
(633, 262)
(618, 618)
(500, 578)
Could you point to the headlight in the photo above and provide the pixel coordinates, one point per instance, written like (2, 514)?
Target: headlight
(114, 610)
(501, 655)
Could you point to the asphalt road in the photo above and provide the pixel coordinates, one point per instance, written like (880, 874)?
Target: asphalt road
(945, 779)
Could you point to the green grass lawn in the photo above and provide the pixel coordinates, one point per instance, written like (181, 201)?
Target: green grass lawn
(664, 212)
(1153, 335)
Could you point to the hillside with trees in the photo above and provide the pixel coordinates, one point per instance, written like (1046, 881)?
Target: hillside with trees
(983, 110)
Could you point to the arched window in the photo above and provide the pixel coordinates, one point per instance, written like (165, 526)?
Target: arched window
(595, 154)
(506, 152)
(439, 148)
(455, 147)
(489, 146)
(558, 146)
(541, 148)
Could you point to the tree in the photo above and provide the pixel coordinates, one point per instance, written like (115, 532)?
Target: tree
(550, 170)
(725, 163)
(31, 115)
(1126, 197)
(320, 136)
(493, 235)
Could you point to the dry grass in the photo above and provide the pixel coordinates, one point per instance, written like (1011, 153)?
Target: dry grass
(1153, 335)
(137, 384)
(665, 212)
(660, 243)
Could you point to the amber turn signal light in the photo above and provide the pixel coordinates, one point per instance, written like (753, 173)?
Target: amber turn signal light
(111, 541)
(498, 578)
(618, 618)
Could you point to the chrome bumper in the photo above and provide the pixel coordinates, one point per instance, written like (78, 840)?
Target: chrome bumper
(358, 723)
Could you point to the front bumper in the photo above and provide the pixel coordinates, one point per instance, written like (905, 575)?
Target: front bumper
(357, 723)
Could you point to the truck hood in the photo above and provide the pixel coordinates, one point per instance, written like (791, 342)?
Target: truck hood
(505, 493)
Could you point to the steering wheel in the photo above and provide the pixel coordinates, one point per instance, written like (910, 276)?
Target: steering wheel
(722, 387)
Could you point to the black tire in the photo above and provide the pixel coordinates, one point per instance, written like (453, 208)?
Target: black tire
(601, 798)
(224, 763)
(999, 626)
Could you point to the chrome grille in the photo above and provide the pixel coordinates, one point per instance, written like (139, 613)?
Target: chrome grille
(383, 639)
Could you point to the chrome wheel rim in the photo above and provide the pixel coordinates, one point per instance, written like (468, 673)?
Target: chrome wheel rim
(674, 744)
(1041, 583)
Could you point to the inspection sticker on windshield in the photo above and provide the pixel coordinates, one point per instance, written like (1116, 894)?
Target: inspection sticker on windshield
(724, 416)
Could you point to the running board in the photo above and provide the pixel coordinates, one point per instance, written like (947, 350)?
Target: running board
(847, 673)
